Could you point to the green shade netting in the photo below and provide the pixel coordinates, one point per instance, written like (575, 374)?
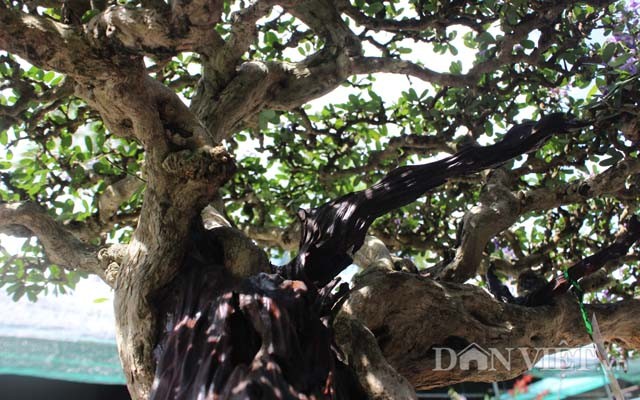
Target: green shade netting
(89, 362)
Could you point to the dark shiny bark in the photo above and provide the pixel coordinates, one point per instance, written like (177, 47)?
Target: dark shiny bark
(271, 337)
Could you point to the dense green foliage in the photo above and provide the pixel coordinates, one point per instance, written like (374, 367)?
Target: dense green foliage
(56, 151)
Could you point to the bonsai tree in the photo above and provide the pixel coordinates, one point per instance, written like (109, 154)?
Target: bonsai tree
(175, 148)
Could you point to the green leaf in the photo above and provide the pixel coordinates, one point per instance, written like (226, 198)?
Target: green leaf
(607, 51)
(100, 300)
(615, 157)
(376, 8)
(512, 16)
(270, 38)
(65, 141)
(456, 67)
(89, 143)
(32, 295)
(528, 44)
(486, 37)
(265, 117)
(19, 292)
(48, 77)
(618, 61)
(592, 91)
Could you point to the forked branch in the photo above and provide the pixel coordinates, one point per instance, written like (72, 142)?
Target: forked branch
(332, 233)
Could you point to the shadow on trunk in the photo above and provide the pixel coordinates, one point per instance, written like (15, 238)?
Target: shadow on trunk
(271, 337)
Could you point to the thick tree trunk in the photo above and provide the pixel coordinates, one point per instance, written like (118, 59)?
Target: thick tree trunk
(205, 306)
(412, 315)
(388, 331)
(271, 335)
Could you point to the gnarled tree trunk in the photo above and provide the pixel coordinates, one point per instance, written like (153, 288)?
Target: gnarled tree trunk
(201, 312)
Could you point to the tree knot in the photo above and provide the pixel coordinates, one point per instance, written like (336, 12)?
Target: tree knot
(111, 259)
(205, 163)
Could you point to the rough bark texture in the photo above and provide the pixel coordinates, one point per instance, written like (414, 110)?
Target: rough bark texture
(287, 317)
(451, 315)
(60, 245)
(378, 379)
(263, 332)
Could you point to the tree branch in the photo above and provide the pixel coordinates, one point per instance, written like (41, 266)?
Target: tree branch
(505, 55)
(286, 239)
(220, 79)
(188, 27)
(495, 214)
(241, 99)
(608, 182)
(367, 65)
(332, 232)
(628, 236)
(324, 18)
(309, 79)
(275, 85)
(117, 193)
(409, 144)
(243, 33)
(379, 380)
(202, 14)
(413, 24)
(48, 44)
(260, 85)
(498, 209)
(468, 314)
(61, 247)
